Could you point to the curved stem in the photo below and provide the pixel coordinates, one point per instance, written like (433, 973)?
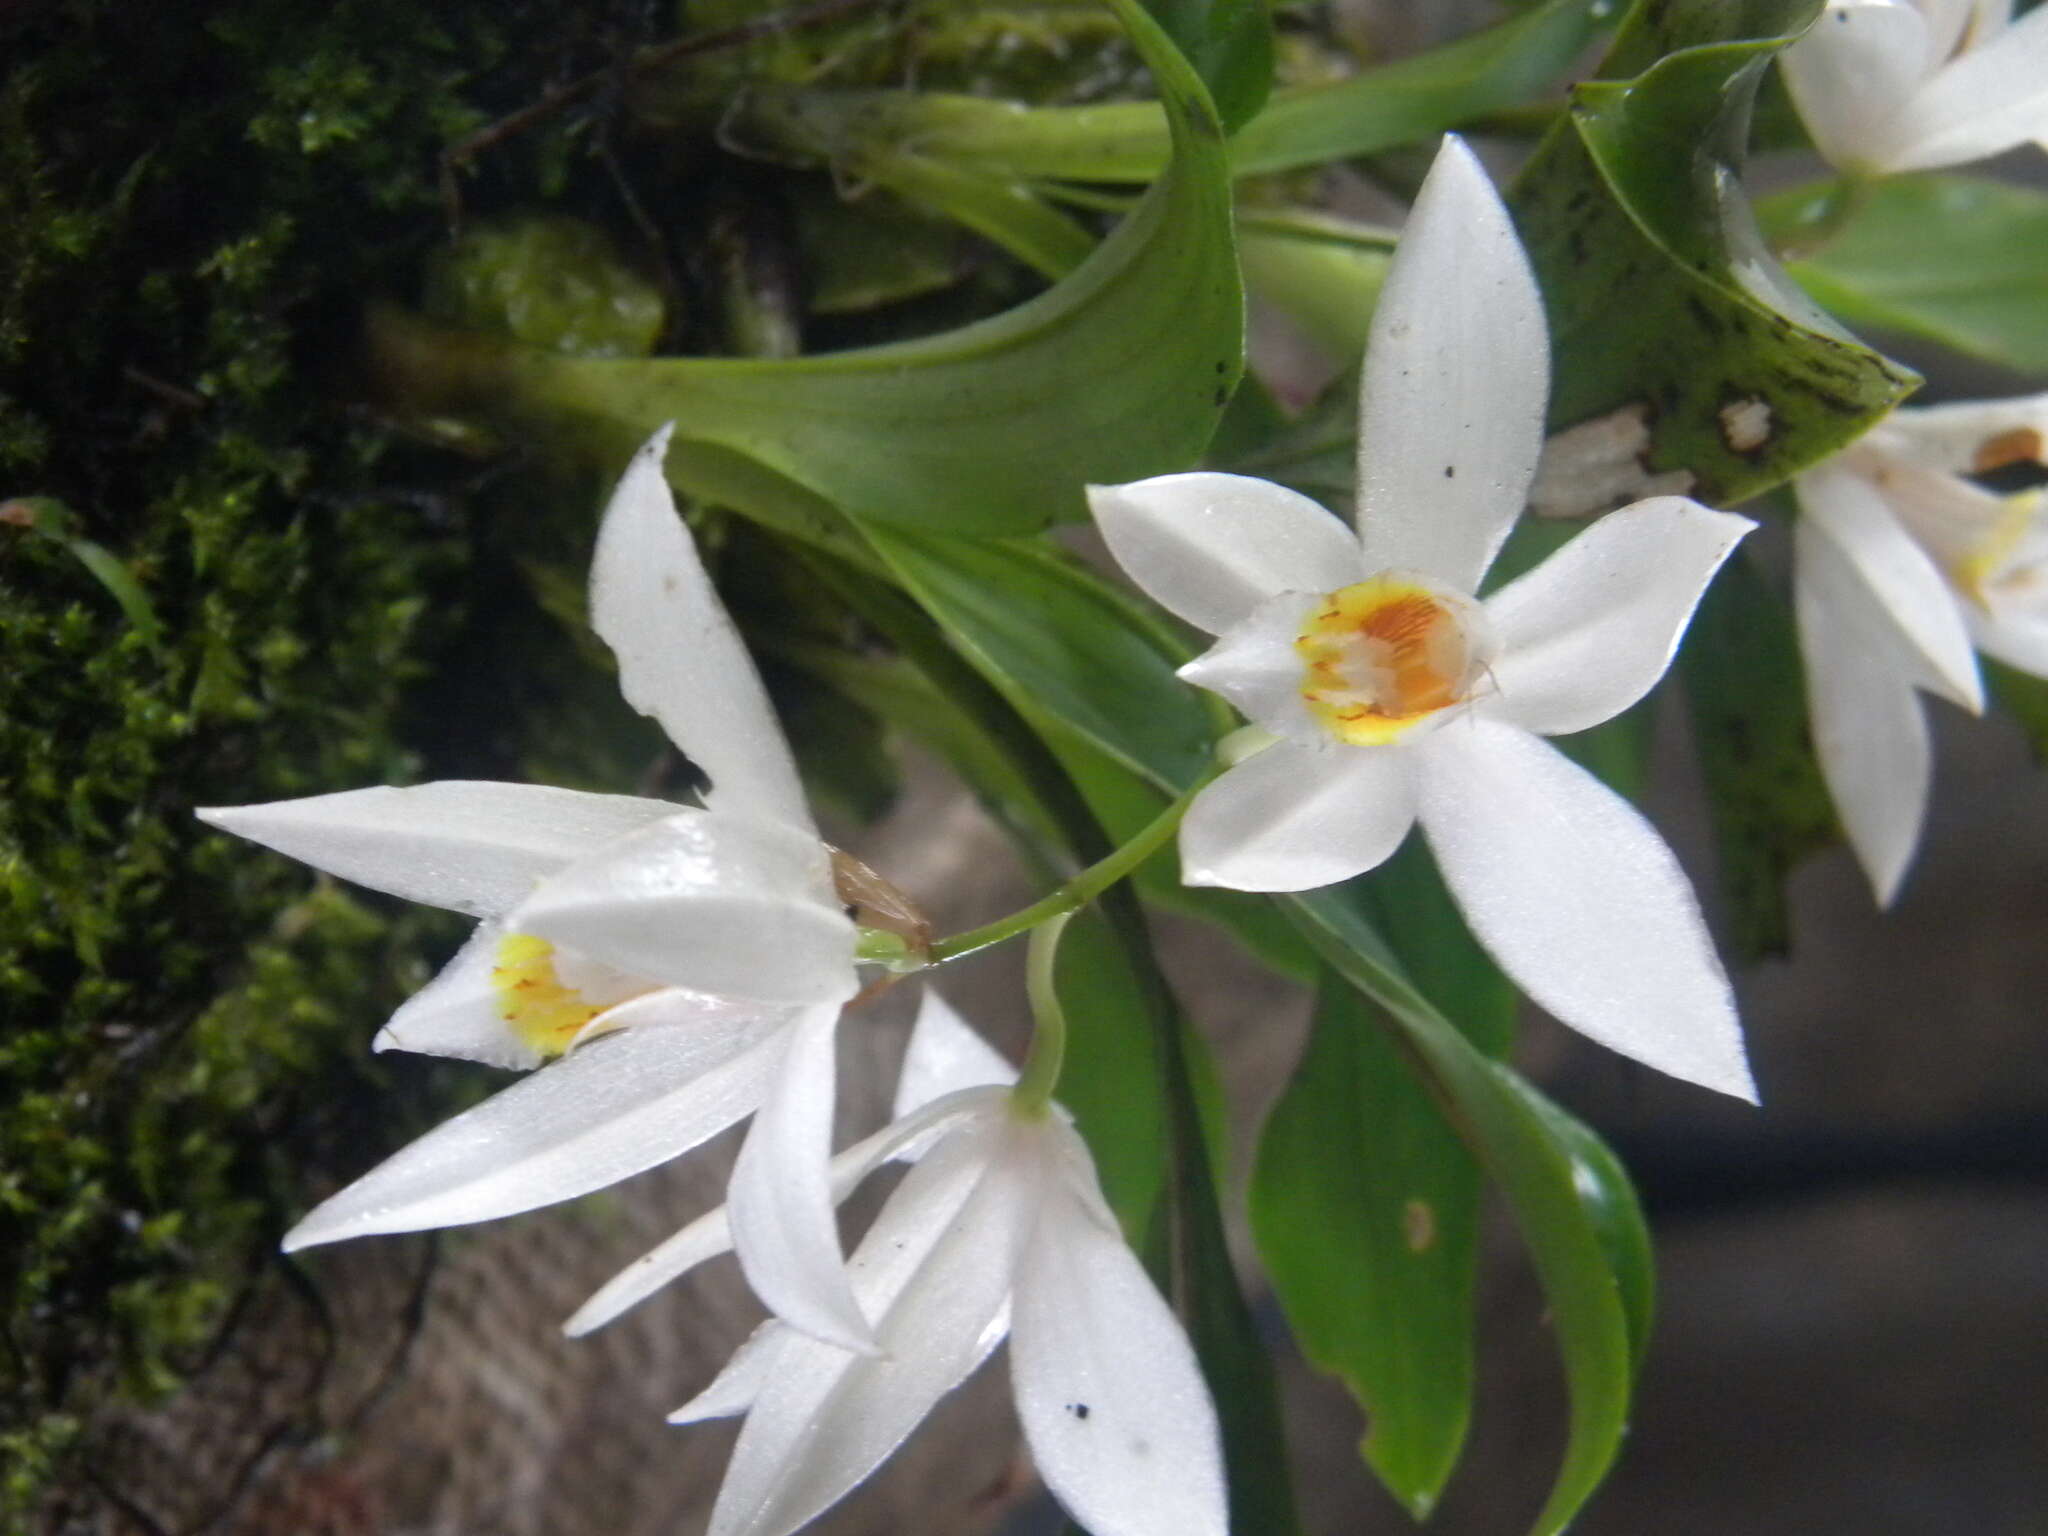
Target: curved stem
(1080, 890)
(1048, 1053)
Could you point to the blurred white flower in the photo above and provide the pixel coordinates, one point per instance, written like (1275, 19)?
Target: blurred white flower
(1904, 569)
(710, 942)
(1398, 696)
(1886, 86)
(998, 1230)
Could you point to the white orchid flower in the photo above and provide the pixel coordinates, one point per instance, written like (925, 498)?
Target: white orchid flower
(1000, 1229)
(1903, 569)
(709, 941)
(1398, 696)
(1886, 86)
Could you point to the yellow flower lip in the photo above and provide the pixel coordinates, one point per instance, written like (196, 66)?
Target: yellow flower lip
(532, 998)
(1383, 655)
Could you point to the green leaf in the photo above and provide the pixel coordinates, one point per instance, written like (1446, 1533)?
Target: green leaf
(1953, 259)
(1323, 273)
(1230, 43)
(1659, 290)
(1060, 643)
(1376, 109)
(1364, 1204)
(1747, 689)
(2024, 697)
(1523, 1153)
(1119, 371)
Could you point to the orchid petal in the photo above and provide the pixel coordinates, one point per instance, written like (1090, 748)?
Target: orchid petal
(1212, 547)
(680, 659)
(945, 1054)
(1850, 512)
(690, 1067)
(935, 1272)
(471, 845)
(1579, 899)
(727, 904)
(780, 1200)
(733, 1390)
(1254, 664)
(1984, 102)
(2017, 639)
(1296, 817)
(1869, 728)
(461, 1012)
(1112, 1402)
(1849, 74)
(711, 1234)
(1456, 374)
(1591, 630)
(1966, 437)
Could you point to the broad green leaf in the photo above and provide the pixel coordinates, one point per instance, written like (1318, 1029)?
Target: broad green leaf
(1364, 1203)
(1376, 109)
(1060, 643)
(1230, 43)
(1953, 259)
(1660, 293)
(1611, 1204)
(1539, 1174)
(1119, 371)
(1748, 695)
(1002, 210)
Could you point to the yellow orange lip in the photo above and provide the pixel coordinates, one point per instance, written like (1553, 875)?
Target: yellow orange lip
(1382, 655)
(543, 1012)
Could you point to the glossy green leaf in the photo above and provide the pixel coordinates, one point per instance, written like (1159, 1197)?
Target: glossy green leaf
(1954, 259)
(1378, 108)
(1000, 209)
(1061, 643)
(1230, 43)
(1523, 1153)
(1747, 690)
(1114, 1080)
(1364, 1203)
(1660, 293)
(1323, 273)
(1119, 371)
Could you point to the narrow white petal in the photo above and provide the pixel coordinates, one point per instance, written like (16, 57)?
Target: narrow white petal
(733, 1390)
(2017, 639)
(1969, 436)
(471, 845)
(711, 1234)
(1112, 1402)
(460, 1012)
(1857, 518)
(780, 1200)
(680, 660)
(1869, 728)
(604, 1113)
(1295, 817)
(1580, 901)
(1591, 630)
(1212, 547)
(726, 904)
(945, 1054)
(935, 1273)
(1255, 666)
(1457, 372)
(1850, 75)
(1988, 100)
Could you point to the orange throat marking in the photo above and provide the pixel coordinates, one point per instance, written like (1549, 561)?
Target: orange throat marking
(1380, 656)
(532, 999)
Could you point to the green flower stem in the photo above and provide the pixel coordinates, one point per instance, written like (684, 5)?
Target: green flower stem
(1080, 890)
(1048, 1053)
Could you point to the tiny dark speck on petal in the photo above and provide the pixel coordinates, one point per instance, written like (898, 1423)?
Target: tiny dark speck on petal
(1078, 1410)
(1450, 471)
(668, 583)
